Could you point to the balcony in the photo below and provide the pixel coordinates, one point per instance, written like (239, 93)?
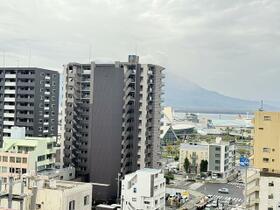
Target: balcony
(8, 123)
(11, 115)
(46, 115)
(253, 190)
(6, 130)
(25, 84)
(9, 107)
(47, 93)
(46, 108)
(7, 91)
(47, 77)
(10, 76)
(47, 85)
(13, 84)
(10, 99)
(45, 131)
(45, 123)
(47, 101)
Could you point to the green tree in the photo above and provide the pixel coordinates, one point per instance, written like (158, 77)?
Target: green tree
(203, 166)
(168, 176)
(187, 165)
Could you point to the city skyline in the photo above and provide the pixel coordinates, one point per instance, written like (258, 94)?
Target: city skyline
(233, 44)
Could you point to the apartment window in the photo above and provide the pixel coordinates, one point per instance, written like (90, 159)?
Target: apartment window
(271, 184)
(270, 196)
(146, 202)
(267, 118)
(72, 205)
(12, 159)
(134, 190)
(260, 128)
(18, 160)
(23, 170)
(86, 200)
(5, 159)
(266, 149)
(270, 208)
(134, 199)
(4, 169)
(266, 160)
(41, 158)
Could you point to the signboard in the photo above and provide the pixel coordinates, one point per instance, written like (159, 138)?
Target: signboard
(244, 161)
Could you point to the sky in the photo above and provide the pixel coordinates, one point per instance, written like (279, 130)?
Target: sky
(228, 46)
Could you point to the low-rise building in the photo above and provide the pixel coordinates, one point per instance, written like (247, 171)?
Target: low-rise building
(195, 154)
(143, 189)
(26, 155)
(39, 193)
(219, 155)
(221, 160)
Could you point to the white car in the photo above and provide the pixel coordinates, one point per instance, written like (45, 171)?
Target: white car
(223, 190)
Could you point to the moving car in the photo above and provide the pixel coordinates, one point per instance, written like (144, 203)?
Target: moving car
(223, 190)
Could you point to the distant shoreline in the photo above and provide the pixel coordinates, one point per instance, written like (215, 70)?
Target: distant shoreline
(213, 111)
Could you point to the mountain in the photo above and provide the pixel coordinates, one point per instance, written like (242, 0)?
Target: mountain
(185, 95)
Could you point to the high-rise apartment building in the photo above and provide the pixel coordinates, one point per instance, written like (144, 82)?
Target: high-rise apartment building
(263, 181)
(267, 141)
(75, 116)
(29, 98)
(112, 120)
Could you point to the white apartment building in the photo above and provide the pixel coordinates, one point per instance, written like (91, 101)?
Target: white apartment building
(143, 189)
(263, 190)
(38, 193)
(221, 158)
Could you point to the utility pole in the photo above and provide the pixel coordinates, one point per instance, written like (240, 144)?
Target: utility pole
(118, 192)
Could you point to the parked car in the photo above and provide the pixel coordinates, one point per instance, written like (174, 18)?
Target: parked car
(223, 190)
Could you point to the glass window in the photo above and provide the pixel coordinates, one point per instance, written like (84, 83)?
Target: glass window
(18, 160)
(86, 200)
(72, 205)
(24, 160)
(12, 159)
(5, 159)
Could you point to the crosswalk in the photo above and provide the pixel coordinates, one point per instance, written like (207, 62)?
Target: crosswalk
(227, 198)
(236, 184)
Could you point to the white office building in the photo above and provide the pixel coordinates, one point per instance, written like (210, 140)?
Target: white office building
(143, 189)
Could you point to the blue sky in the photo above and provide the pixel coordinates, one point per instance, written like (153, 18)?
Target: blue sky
(231, 47)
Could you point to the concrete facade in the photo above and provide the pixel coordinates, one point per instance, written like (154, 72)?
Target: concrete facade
(111, 116)
(27, 155)
(29, 98)
(266, 141)
(143, 189)
(37, 193)
(195, 153)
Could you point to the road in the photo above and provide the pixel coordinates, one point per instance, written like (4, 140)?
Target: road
(235, 191)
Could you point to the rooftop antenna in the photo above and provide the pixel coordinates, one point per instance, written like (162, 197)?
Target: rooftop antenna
(261, 108)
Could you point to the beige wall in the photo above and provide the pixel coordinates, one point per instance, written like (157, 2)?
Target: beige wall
(267, 141)
(201, 155)
(6, 162)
